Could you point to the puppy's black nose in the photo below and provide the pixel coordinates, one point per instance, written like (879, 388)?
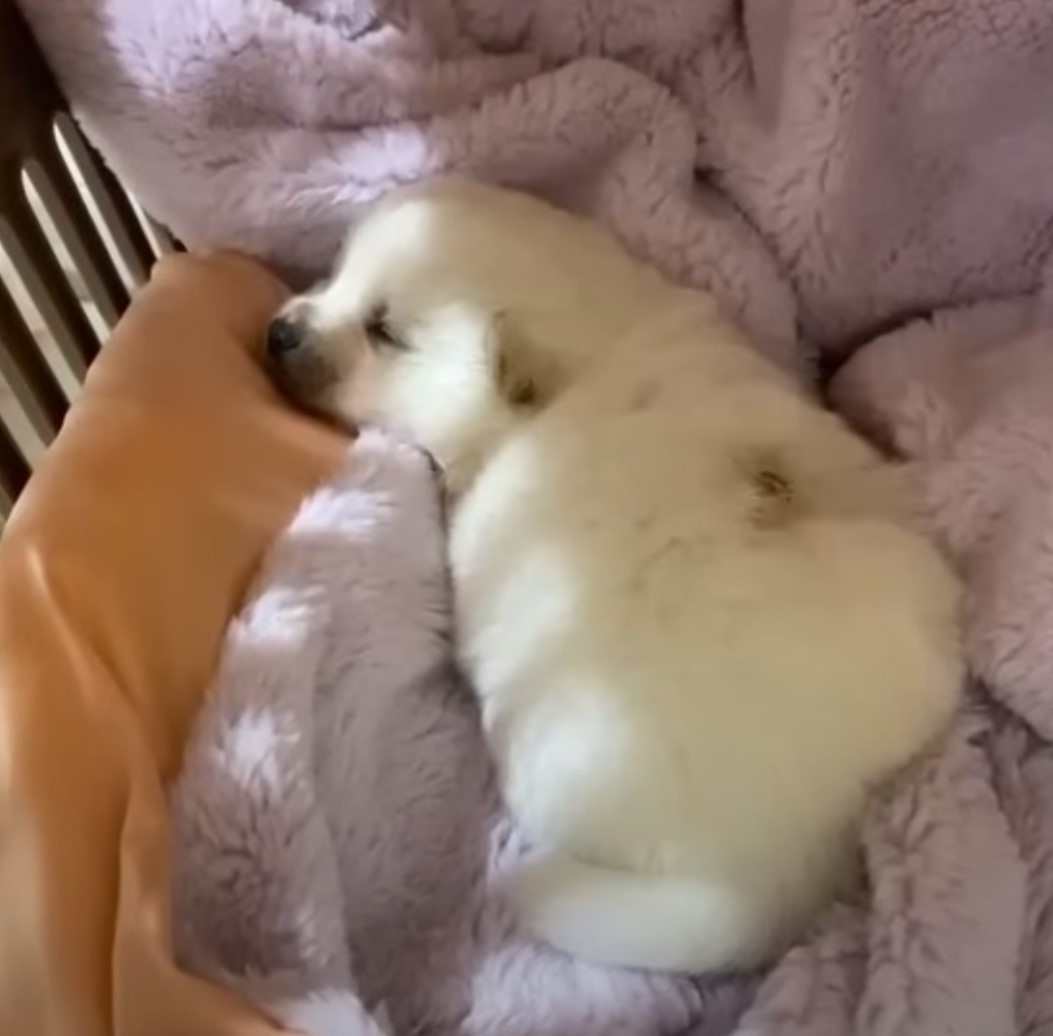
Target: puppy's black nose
(283, 336)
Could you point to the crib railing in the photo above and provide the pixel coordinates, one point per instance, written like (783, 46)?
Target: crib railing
(73, 248)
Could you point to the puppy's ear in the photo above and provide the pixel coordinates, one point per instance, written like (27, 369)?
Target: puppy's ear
(516, 365)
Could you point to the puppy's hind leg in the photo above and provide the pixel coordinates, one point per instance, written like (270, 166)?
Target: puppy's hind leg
(625, 919)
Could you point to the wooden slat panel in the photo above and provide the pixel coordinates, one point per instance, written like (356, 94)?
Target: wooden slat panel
(124, 224)
(14, 472)
(29, 101)
(110, 200)
(61, 198)
(29, 96)
(162, 242)
(35, 387)
(46, 283)
(103, 237)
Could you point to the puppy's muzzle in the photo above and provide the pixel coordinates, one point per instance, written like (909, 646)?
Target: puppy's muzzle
(296, 363)
(284, 336)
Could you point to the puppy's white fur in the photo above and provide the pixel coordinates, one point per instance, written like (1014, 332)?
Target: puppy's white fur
(697, 616)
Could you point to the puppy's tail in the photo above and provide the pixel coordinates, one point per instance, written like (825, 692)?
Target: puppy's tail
(625, 919)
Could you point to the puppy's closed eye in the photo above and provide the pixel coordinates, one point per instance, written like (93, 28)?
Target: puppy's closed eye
(380, 332)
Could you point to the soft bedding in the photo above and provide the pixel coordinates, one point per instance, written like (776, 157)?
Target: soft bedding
(826, 166)
(125, 557)
(854, 178)
(338, 843)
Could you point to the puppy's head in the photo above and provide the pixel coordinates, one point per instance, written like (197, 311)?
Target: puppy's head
(455, 312)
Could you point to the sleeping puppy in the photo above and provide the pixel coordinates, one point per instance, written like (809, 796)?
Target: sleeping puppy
(700, 623)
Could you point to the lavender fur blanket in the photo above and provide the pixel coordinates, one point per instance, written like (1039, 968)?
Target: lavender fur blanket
(337, 834)
(863, 178)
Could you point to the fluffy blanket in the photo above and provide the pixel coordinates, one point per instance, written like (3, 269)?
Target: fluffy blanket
(337, 834)
(848, 176)
(825, 166)
(338, 837)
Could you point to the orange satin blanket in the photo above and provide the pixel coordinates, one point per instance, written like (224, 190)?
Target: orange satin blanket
(118, 572)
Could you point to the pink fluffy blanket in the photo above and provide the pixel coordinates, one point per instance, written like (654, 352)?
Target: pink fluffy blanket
(860, 179)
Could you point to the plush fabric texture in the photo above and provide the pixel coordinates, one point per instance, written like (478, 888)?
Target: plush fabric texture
(825, 166)
(125, 557)
(339, 844)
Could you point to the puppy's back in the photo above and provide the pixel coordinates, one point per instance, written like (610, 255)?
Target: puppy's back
(702, 629)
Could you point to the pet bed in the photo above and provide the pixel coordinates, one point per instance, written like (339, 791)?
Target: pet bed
(305, 785)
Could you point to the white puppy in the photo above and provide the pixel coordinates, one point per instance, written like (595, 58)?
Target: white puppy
(697, 616)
